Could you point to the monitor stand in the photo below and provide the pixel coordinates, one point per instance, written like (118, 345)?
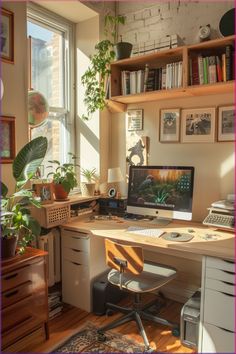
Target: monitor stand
(160, 221)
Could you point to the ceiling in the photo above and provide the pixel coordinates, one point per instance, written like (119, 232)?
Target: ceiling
(72, 10)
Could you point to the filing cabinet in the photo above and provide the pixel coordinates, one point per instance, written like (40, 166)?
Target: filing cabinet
(83, 259)
(217, 308)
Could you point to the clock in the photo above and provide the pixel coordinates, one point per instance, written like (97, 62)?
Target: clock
(204, 32)
(112, 193)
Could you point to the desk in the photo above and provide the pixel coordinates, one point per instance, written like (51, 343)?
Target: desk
(211, 256)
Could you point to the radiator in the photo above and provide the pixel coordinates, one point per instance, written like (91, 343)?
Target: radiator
(51, 244)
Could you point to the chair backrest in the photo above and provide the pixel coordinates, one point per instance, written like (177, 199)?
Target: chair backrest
(130, 257)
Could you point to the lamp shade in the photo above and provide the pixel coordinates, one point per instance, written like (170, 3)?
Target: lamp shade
(114, 175)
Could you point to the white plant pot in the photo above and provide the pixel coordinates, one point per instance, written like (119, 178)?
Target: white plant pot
(87, 189)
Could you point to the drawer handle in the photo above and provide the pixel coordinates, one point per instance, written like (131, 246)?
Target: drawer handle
(76, 238)
(231, 262)
(11, 276)
(226, 330)
(227, 294)
(11, 293)
(227, 283)
(76, 263)
(74, 250)
(228, 272)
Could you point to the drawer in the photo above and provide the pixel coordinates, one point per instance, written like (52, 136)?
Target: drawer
(76, 285)
(75, 241)
(221, 286)
(12, 296)
(16, 277)
(222, 275)
(222, 264)
(76, 256)
(217, 340)
(219, 309)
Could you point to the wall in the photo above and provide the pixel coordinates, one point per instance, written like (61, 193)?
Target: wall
(213, 162)
(152, 20)
(14, 76)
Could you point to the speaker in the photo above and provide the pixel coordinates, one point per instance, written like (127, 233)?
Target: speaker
(104, 292)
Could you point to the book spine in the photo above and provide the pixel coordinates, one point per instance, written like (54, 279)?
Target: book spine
(160, 79)
(145, 77)
(133, 82)
(163, 78)
(212, 70)
(127, 82)
(228, 62)
(200, 70)
(219, 70)
(205, 70)
(190, 72)
(180, 74)
(224, 67)
(195, 71)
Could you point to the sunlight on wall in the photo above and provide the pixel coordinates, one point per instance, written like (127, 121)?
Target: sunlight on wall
(227, 166)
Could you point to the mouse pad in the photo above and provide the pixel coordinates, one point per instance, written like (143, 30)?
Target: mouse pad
(182, 238)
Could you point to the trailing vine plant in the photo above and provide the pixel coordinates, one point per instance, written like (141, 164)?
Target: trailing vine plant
(96, 77)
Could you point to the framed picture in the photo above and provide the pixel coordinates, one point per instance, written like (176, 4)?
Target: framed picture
(198, 125)
(134, 119)
(226, 121)
(7, 138)
(7, 36)
(45, 192)
(169, 125)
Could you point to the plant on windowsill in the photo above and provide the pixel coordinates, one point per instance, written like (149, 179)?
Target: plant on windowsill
(64, 178)
(88, 187)
(18, 227)
(96, 77)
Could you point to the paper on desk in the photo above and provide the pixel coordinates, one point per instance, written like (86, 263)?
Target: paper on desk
(142, 231)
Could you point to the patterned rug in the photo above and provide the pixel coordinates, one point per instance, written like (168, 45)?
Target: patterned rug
(86, 341)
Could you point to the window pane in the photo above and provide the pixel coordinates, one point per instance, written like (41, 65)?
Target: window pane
(47, 63)
(55, 132)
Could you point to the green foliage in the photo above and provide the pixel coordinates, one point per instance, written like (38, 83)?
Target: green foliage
(15, 214)
(89, 175)
(96, 77)
(64, 174)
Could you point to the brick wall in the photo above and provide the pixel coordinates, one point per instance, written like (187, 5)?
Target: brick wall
(152, 20)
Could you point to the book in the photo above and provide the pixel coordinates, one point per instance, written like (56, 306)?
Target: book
(163, 78)
(224, 67)
(200, 70)
(219, 70)
(180, 74)
(133, 82)
(228, 62)
(140, 81)
(190, 72)
(205, 70)
(212, 70)
(145, 77)
(195, 72)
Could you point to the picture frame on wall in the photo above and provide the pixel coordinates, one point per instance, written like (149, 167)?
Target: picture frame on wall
(170, 125)
(7, 138)
(226, 123)
(134, 119)
(7, 36)
(198, 125)
(45, 192)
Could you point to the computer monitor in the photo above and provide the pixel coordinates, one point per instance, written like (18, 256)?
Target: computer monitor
(164, 192)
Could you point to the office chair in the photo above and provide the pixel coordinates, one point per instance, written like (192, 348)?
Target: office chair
(131, 273)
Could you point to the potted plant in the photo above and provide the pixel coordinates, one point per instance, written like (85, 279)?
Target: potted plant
(96, 77)
(88, 187)
(17, 225)
(64, 178)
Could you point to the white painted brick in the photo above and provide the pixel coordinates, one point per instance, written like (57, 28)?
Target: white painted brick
(136, 24)
(146, 14)
(142, 36)
(129, 18)
(138, 16)
(153, 20)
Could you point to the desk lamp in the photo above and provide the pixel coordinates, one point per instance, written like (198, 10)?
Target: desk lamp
(114, 176)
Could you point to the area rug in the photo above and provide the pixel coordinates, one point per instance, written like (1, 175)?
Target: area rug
(86, 341)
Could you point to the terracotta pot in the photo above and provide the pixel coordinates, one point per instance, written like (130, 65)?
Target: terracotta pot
(8, 246)
(59, 191)
(88, 189)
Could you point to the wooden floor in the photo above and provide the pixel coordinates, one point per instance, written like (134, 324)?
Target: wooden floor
(159, 336)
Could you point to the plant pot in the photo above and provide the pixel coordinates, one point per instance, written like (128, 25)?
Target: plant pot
(123, 50)
(88, 189)
(59, 192)
(8, 246)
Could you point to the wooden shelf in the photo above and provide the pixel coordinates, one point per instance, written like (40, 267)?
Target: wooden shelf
(116, 107)
(161, 58)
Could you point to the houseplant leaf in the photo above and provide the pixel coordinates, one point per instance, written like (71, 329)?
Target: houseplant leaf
(29, 158)
(4, 189)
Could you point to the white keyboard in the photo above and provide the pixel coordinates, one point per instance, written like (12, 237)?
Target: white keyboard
(145, 232)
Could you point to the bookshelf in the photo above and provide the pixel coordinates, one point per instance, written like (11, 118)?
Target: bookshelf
(158, 60)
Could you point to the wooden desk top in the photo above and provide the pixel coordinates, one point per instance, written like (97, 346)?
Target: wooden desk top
(222, 247)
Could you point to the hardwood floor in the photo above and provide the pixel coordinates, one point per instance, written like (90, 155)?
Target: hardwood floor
(72, 319)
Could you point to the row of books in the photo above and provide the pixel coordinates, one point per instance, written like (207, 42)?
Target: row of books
(55, 304)
(211, 69)
(166, 77)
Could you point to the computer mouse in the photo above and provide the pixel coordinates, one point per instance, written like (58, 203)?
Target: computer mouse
(175, 234)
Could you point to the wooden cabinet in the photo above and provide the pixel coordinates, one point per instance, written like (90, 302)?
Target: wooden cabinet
(157, 60)
(217, 323)
(24, 300)
(83, 259)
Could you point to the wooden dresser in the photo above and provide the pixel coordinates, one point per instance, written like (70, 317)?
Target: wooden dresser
(24, 301)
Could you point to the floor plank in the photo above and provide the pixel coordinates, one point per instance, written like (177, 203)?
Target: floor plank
(72, 319)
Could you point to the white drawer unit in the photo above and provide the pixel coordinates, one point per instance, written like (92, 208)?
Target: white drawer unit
(83, 259)
(217, 323)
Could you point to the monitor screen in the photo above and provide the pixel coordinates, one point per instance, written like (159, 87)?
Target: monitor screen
(163, 191)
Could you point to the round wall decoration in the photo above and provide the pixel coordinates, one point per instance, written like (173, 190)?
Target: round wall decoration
(226, 25)
(37, 108)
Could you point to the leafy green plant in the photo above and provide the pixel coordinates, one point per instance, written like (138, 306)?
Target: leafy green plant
(90, 175)
(95, 78)
(15, 213)
(64, 174)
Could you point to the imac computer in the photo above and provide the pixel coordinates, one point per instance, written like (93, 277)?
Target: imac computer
(164, 192)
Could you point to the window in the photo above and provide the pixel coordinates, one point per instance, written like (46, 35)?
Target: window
(51, 71)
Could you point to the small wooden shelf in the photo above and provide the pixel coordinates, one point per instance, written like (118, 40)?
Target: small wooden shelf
(161, 58)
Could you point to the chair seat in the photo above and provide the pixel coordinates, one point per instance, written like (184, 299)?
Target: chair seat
(153, 277)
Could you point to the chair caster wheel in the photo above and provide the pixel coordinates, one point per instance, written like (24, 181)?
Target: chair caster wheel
(176, 332)
(109, 312)
(101, 337)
